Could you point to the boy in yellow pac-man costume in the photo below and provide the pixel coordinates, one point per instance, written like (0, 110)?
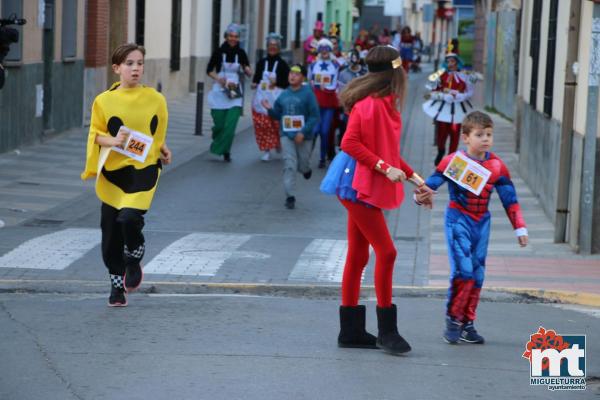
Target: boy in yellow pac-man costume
(124, 184)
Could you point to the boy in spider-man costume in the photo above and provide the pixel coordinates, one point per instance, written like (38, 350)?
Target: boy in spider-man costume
(468, 226)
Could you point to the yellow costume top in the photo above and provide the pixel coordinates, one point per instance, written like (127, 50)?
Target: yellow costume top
(123, 181)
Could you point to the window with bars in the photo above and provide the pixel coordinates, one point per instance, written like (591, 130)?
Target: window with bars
(284, 23)
(140, 21)
(10, 7)
(69, 29)
(216, 24)
(176, 35)
(272, 16)
(297, 39)
(534, 51)
(550, 59)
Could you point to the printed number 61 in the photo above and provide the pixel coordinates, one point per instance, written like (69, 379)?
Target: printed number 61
(471, 179)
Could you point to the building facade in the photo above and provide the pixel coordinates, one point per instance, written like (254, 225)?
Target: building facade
(63, 58)
(540, 61)
(44, 71)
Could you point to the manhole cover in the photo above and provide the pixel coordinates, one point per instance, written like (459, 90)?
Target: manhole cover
(43, 222)
(408, 238)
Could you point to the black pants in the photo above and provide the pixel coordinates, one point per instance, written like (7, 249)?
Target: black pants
(122, 239)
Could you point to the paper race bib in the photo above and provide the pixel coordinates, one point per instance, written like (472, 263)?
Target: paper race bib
(293, 122)
(323, 79)
(136, 147)
(467, 173)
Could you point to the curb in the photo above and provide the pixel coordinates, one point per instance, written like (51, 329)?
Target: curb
(494, 294)
(554, 296)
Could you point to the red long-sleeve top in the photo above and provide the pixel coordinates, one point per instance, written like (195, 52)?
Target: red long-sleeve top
(373, 134)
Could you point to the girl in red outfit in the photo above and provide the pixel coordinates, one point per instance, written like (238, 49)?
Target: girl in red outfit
(372, 138)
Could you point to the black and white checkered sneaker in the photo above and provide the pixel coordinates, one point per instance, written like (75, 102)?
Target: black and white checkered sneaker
(137, 253)
(117, 296)
(116, 281)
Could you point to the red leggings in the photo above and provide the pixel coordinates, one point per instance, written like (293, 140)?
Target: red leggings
(446, 129)
(366, 226)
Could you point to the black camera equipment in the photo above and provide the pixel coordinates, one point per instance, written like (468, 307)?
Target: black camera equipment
(8, 36)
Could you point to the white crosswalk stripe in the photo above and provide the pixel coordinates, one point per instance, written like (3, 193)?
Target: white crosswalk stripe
(322, 260)
(198, 254)
(54, 251)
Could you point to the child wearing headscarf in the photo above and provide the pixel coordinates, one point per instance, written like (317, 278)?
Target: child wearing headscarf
(270, 78)
(225, 99)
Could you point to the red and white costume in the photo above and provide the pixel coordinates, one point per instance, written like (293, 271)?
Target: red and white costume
(449, 104)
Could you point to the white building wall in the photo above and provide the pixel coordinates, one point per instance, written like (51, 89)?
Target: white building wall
(226, 16)
(265, 20)
(200, 19)
(309, 9)
(131, 13)
(186, 28)
(525, 58)
(158, 22)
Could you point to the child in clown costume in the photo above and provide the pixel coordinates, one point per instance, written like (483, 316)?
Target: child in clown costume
(125, 185)
(322, 75)
(468, 223)
(449, 102)
(311, 42)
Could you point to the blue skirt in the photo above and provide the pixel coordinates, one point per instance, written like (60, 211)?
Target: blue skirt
(338, 180)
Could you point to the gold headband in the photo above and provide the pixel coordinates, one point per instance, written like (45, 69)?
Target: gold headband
(397, 63)
(380, 67)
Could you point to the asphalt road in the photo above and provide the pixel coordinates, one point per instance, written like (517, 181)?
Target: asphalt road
(242, 347)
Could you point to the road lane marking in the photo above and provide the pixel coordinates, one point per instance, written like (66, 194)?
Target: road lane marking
(55, 251)
(322, 260)
(198, 254)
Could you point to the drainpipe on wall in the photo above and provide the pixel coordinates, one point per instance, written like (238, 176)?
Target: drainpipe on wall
(566, 134)
(588, 184)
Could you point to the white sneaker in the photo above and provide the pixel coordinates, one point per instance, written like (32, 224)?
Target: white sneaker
(266, 156)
